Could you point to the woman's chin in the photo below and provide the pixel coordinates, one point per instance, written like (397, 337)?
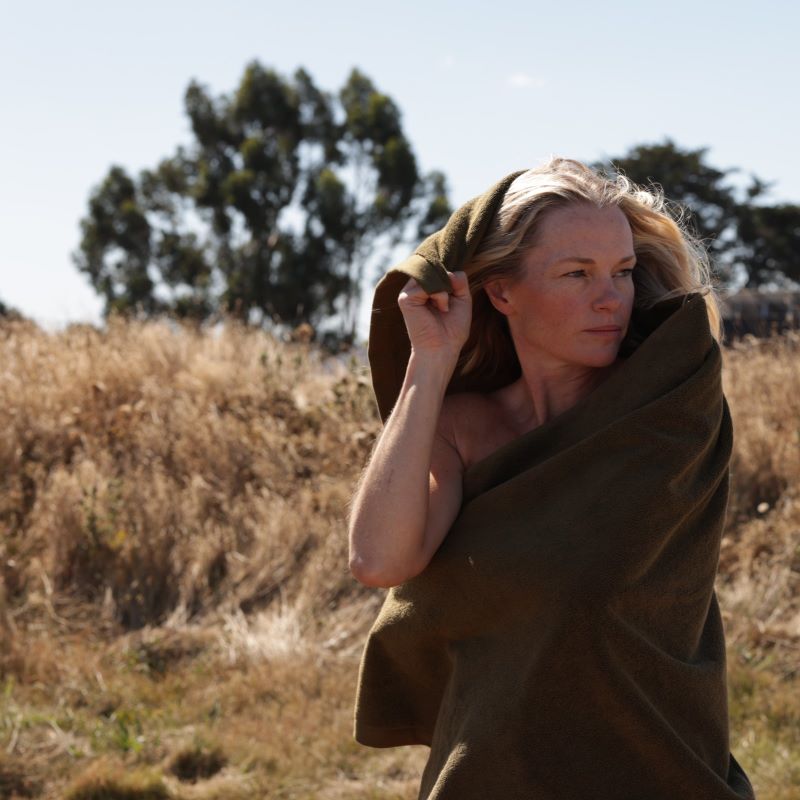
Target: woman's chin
(602, 360)
(596, 356)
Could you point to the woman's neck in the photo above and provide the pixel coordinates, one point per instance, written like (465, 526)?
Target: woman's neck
(541, 394)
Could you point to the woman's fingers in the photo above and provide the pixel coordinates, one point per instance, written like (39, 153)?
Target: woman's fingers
(411, 285)
(460, 283)
(413, 294)
(441, 300)
(437, 322)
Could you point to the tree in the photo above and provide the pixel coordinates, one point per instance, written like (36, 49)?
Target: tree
(271, 214)
(770, 238)
(749, 241)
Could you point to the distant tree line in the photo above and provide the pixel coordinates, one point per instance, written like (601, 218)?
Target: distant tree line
(272, 213)
(286, 193)
(751, 242)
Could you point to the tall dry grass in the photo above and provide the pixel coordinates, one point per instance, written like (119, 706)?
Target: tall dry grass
(176, 614)
(761, 381)
(161, 473)
(760, 559)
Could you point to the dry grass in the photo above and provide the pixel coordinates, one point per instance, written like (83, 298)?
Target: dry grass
(760, 560)
(162, 474)
(176, 614)
(762, 383)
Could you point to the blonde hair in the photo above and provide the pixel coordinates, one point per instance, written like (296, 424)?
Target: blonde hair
(671, 262)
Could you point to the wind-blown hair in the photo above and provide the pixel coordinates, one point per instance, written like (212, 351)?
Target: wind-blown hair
(671, 262)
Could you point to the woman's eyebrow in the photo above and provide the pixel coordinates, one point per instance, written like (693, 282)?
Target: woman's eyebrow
(584, 260)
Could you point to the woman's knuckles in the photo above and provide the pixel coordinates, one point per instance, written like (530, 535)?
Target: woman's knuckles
(412, 298)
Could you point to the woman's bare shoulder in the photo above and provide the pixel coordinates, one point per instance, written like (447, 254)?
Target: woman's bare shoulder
(468, 407)
(472, 422)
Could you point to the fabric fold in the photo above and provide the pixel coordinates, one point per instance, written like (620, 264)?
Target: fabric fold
(445, 251)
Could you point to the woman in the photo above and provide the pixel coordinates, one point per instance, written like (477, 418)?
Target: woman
(546, 500)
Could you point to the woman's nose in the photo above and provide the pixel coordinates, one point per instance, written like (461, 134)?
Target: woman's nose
(608, 296)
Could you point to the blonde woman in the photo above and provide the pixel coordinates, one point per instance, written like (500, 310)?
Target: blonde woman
(546, 500)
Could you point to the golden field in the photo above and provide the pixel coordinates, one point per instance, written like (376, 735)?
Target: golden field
(177, 618)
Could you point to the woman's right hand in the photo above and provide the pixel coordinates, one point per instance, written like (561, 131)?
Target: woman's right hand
(438, 323)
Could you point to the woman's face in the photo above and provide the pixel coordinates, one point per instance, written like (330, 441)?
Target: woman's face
(576, 280)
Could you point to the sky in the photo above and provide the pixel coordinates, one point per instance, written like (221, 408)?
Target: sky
(484, 89)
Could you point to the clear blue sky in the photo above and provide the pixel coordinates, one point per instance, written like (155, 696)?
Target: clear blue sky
(485, 88)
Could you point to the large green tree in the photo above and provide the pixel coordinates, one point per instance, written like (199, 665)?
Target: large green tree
(750, 241)
(273, 212)
(770, 243)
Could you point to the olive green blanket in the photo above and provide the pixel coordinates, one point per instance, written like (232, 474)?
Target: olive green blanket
(565, 642)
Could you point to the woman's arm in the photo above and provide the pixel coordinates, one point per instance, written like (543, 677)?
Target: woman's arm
(410, 492)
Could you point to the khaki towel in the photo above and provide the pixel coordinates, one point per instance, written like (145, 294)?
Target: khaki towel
(565, 641)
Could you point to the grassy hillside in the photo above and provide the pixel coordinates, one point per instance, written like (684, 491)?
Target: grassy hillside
(176, 614)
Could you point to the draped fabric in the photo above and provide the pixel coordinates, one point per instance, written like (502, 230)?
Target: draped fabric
(565, 641)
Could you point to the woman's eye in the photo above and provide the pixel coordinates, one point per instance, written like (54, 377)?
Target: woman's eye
(581, 273)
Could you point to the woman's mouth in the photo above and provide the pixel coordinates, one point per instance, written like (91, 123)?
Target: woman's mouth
(607, 329)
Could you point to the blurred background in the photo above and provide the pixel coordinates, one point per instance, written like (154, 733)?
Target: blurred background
(272, 158)
(196, 201)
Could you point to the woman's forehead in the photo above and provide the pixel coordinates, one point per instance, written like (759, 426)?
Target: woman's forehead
(584, 225)
(580, 233)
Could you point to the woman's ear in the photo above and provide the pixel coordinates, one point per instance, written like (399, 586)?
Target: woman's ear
(497, 292)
